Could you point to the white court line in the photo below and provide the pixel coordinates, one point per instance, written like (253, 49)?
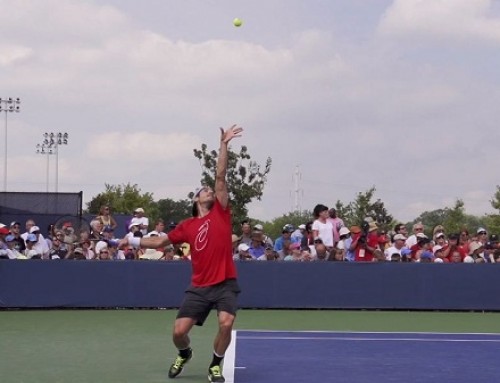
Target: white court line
(373, 332)
(229, 359)
(367, 339)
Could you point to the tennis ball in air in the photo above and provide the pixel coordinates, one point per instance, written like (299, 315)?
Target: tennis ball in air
(237, 22)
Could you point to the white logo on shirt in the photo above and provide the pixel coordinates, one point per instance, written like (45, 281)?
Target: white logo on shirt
(202, 237)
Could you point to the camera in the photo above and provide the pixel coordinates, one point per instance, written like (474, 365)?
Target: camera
(365, 227)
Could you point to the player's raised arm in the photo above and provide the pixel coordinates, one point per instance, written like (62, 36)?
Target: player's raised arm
(221, 192)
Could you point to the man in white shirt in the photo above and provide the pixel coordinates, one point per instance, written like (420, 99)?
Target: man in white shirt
(141, 220)
(397, 246)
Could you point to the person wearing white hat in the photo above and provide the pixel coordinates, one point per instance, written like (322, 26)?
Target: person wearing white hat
(140, 220)
(397, 245)
(214, 276)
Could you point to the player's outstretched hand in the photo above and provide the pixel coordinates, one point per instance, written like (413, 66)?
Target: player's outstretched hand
(123, 243)
(229, 134)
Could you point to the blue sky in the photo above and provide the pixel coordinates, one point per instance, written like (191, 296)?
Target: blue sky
(402, 95)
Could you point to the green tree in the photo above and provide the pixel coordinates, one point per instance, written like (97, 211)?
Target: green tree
(492, 221)
(245, 178)
(274, 228)
(123, 199)
(362, 207)
(455, 218)
(170, 210)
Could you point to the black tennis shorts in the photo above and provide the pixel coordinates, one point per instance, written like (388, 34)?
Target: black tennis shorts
(198, 301)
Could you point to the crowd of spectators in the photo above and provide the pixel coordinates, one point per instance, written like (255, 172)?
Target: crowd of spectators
(325, 238)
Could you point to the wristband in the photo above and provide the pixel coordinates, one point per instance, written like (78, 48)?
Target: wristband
(135, 242)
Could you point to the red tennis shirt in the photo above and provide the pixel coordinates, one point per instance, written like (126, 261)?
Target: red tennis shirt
(209, 238)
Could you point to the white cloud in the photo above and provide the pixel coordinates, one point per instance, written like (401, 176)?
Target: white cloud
(352, 113)
(455, 20)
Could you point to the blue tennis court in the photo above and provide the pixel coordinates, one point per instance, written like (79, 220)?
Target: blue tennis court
(362, 357)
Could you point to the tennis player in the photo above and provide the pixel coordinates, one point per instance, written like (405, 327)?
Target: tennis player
(213, 281)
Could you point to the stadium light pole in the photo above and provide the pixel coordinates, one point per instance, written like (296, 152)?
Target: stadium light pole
(43, 149)
(53, 141)
(8, 105)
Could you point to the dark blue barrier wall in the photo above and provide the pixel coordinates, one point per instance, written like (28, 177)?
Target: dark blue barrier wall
(264, 285)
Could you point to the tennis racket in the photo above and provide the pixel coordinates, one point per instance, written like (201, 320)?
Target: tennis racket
(75, 229)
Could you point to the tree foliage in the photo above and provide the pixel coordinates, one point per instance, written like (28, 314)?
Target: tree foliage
(492, 221)
(453, 219)
(170, 210)
(362, 207)
(122, 199)
(245, 178)
(274, 228)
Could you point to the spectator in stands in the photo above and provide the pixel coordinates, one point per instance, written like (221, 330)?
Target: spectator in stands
(30, 252)
(159, 229)
(15, 230)
(243, 253)
(87, 251)
(337, 255)
(496, 255)
(440, 239)
(476, 249)
(350, 249)
(235, 240)
(400, 228)
(106, 218)
(396, 257)
(406, 255)
(398, 244)
(77, 254)
(104, 254)
(257, 246)
(246, 232)
(456, 256)
(364, 246)
(57, 251)
(423, 244)
(285, 250)
(11, 252)
(296, 253)
(482, 235)
(171, 226)
(426, 257)
(489, 250)
(141, 220)
(344, 235)
(336, 222)
(3, 233)
(412, 239)
(269, 254)
(321, 252)
(40, 245)
(96, 228)
(133, 230)
(298, 233)
(169, 253)
(463, 240)
(322, 227)
(129, 253)
(28, 225)
(439, 257)
(265, 238)
(307, 239)
(438, 229)
(286, 235)
(452, 246)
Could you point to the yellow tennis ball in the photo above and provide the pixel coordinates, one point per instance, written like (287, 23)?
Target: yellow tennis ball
(237, 22)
